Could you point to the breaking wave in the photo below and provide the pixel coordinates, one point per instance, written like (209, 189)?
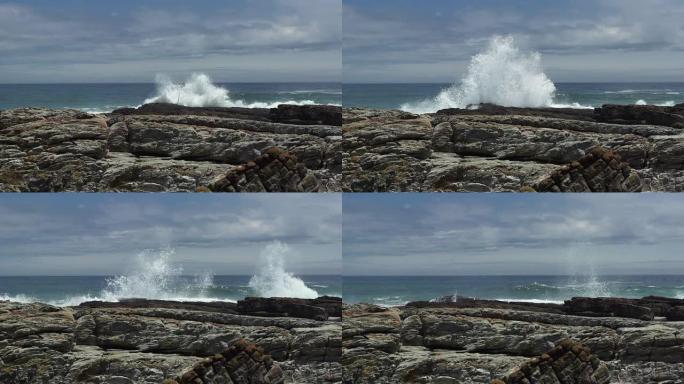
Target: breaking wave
(155, 278)
(151, 277)
(271, 279)
(199, 91)
(669, 103)
(502, 75)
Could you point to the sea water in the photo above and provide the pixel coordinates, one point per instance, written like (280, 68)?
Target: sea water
(197, 90)
(398, 290)
(505, 75)
(154, 276)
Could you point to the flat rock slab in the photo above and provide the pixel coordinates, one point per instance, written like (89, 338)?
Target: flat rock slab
(498, 149)
(163, 147)
(142, 341)
(480, 342)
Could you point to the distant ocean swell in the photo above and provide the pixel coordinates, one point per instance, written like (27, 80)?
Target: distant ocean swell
(155, 277)
(392, 291)
(198, 90)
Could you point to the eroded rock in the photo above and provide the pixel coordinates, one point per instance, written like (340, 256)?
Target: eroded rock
(148, 341)
(500, 149)
(461, 340)
(164, 147)
(569, 363)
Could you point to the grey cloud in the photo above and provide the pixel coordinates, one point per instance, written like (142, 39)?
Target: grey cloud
(222, 230)
(435, 235)
(293, 37)
(396, 46)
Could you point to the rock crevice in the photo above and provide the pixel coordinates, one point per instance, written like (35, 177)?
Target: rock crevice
(164, 147)
(492, 148)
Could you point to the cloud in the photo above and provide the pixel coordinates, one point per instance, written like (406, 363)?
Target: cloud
(443, 233)
(139, 35)
(392, 41)
(223, 230)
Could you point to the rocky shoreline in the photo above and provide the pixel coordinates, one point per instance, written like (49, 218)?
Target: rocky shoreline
(257, 340)
(165, 147)
(615, 148)
(468, 341)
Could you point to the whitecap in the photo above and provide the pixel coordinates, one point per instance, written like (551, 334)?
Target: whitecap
(199, 91)
(271, 278)
(502, 75)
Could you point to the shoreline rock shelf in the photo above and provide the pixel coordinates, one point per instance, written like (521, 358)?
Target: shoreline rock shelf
(615, 148)
(468, 341)
(165, 147)
(150, 341)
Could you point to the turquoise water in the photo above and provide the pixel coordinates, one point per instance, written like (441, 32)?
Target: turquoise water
(107, 97)
(393, 96)
(72, 290)
(397, 290)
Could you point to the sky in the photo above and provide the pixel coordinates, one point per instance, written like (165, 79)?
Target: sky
(580, 40)
(513, 234)
(47, 41)
(103, 234)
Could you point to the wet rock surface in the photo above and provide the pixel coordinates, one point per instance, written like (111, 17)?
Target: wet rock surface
(144, 341)
(493, 148)
(164, 147)
(478, 341)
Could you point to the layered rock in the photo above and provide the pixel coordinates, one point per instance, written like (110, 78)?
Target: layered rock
(163, 147)
(473, 341)
(568, 363)
(243, 362)
(317, 309)
(610, 149)
(148, 342)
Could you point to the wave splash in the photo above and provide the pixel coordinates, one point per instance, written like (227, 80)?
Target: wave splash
(155, 278)
(271, 279)
(502, 75)
(669, 103)
(199, 91)
(152, 277)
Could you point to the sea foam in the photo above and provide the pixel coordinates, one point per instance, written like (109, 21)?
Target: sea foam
(199, 91)
(271, 279)
(502, 75)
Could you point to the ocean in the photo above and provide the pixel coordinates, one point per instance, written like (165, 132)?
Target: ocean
(390, 291)
(411, 96)
(198, 91)
(72, 290)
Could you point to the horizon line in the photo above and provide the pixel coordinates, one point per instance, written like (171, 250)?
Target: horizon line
(153, 82)
(532, 275)
(181, 275)
(555, 82)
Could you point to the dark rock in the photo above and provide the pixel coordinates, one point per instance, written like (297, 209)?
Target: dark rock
(256, 114)
(243, 362)
(315, 114)
(492, 109)
(570, 363)
(641, 114)
(281, 306)
(602, 170)
(608, 306)
(216, 306)
(274, 171)
(331, 304)
(466, 302)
